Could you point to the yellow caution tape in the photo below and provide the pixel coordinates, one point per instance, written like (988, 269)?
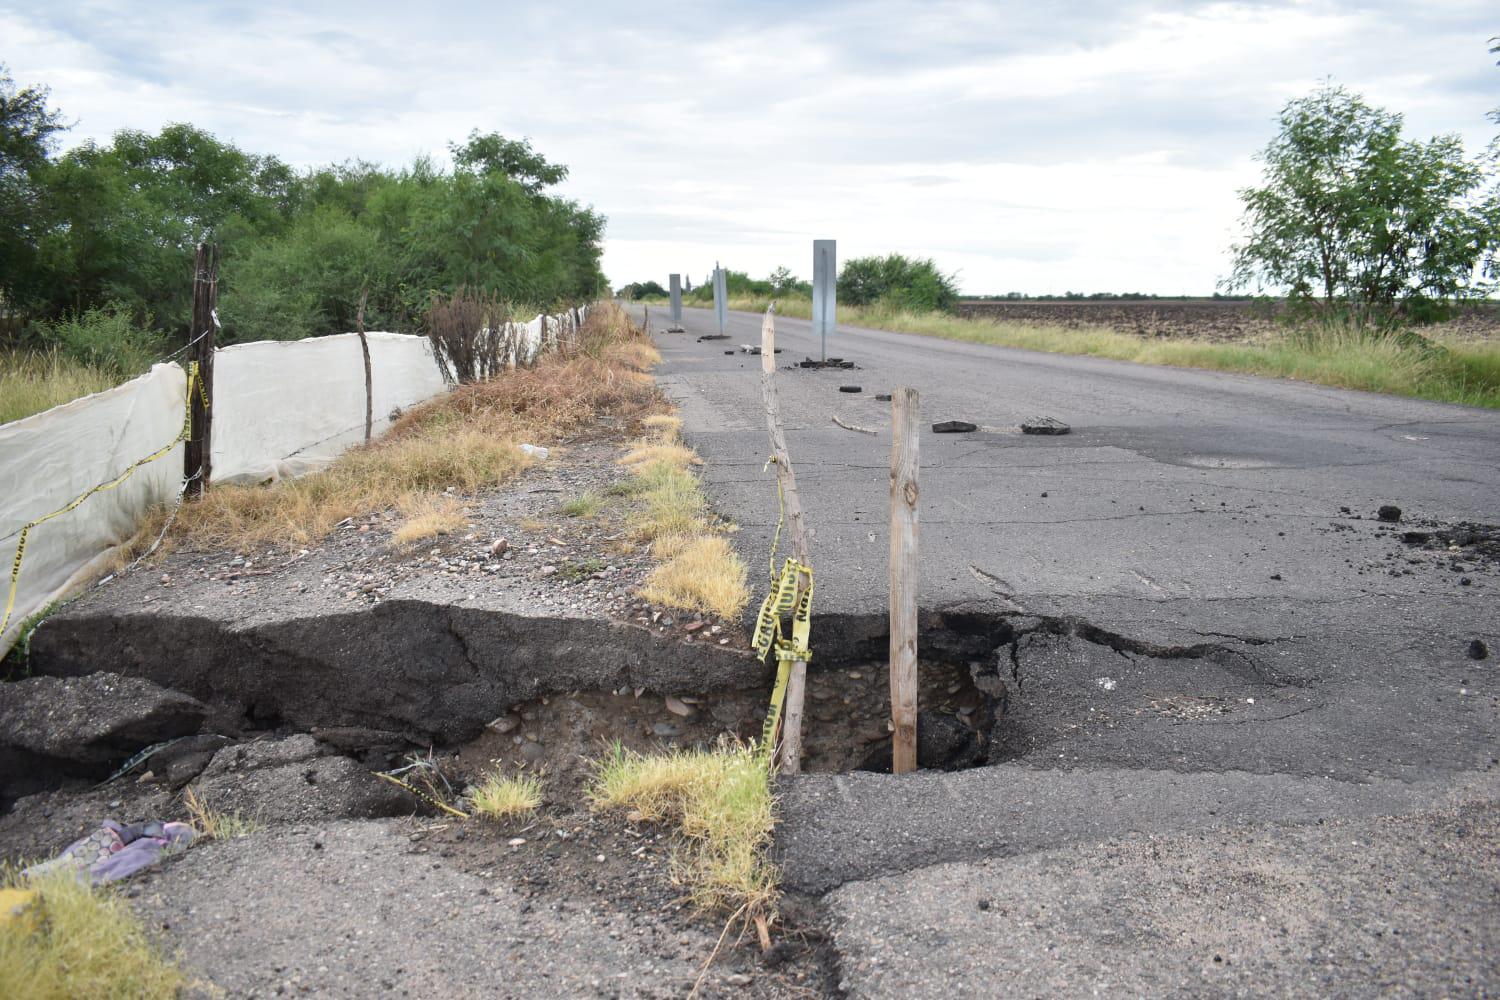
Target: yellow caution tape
(182, 435)
(430, 799)
(769, 635)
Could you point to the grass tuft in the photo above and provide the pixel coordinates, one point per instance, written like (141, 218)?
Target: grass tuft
(704, 572)
(699, 570)
(213, 823)
(720, 801)
(498, 797)
(82, 942)
(428, 516)
(583, 505)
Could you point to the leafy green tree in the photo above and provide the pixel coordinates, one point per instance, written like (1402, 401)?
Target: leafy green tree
(1354, 218)
(897, 281)
(28, 131)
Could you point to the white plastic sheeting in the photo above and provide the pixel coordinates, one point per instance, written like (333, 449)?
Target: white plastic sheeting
(48, 460)
(280, 408)
(283, 408)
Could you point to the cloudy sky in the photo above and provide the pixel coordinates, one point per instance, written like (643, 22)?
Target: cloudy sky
(1094, 147)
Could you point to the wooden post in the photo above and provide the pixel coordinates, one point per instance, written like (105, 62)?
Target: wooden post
(197, 453)
(364, 346)
(904, 466)
(796, 688)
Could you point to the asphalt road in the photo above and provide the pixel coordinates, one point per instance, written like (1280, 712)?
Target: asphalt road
(1206, 634)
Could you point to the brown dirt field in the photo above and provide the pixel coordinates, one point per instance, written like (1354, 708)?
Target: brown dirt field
(1203, 319)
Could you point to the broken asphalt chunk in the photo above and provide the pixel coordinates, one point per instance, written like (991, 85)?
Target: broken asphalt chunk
(851, 388)
(1044, 425)
(953, 427)
(1389, 512)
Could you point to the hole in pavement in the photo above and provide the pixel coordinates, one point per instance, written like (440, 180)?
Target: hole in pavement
(846, 721)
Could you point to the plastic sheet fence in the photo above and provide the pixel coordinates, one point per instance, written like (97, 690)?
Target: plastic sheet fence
(49, 460)
(280, 408)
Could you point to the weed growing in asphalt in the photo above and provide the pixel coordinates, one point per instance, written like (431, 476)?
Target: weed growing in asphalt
(213, 823)
(697, 569)
(720, 800)
(76, 941)
(499, 797)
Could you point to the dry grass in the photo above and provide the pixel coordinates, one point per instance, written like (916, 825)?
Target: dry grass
(699, 570)
(428, 516)
(498, 797)
(84, 942)
(213, 823)
(467, 439)
(722, 804)
(31, 382)
(705, 573)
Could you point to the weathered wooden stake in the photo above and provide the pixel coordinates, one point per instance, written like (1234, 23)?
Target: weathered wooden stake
(791, 741)
(904, 466)
(197, 452)
(364, 346)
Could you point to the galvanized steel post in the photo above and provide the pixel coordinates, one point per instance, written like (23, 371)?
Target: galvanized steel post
(675, 281)
(825, 283)
(721, 297)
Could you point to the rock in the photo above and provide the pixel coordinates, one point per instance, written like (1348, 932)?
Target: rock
(181, 762)
(666, 730)
(295, 780)
(499, 547)
(52, 728)
(1044, 425)
(943, 743)
(1478, 650)
(953, 427)
(677, 707)
(1389, 512)
(533, 752)
(504, 724)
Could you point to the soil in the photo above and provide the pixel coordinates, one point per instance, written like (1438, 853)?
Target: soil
(1222, 320)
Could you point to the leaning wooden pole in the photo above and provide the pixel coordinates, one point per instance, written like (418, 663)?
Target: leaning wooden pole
(364, 348)
(791, 741)
(197, 452)
(904, 466)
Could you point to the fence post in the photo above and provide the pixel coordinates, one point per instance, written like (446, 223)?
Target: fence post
(364, 348)
(197, 452)
(791, 742)
(903, 580)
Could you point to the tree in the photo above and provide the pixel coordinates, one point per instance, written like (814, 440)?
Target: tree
(898, 281)
(1353, 218)
(28, 130)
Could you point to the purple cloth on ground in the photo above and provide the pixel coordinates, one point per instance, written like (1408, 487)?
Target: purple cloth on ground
(117, 850)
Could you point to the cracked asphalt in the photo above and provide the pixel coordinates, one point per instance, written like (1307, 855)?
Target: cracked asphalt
(1217, 655)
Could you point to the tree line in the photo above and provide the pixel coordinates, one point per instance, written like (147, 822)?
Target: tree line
(104, 232)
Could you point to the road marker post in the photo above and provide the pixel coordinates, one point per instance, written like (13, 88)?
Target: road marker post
(903, 579)
(674, 281)
(721, 298)
(786, 478)
(825, 291)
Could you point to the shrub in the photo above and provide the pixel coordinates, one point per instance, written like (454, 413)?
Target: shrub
(108, 338)
(897, 281)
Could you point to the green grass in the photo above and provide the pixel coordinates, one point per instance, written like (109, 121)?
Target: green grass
(721, 802)
(33, 381)
(1452, 371)
(79, 942)
(497, 797)
(583, 505)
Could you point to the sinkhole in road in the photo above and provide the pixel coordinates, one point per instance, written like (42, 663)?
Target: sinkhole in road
(846, 719)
